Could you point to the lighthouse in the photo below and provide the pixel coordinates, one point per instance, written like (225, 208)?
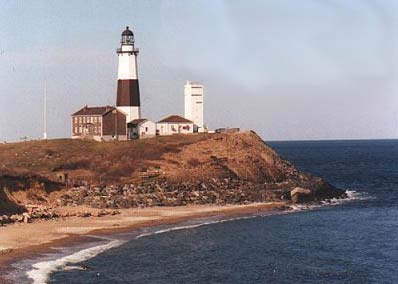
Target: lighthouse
(128, 91)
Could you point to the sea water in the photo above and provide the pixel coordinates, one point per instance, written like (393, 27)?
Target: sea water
(346, 242)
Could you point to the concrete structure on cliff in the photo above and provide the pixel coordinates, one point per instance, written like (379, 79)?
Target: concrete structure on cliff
(193, 98)
(124, 122)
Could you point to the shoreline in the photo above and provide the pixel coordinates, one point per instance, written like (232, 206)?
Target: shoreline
(18, 241)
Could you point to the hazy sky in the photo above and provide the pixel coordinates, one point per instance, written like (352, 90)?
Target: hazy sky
(325, 69)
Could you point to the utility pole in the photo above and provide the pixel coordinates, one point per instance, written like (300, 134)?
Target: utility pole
(45, 109)
(44, 96)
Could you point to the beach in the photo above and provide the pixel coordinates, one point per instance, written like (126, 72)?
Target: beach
(20, 240)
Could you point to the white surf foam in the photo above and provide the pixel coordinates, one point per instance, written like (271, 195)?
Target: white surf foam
(185, 227)
(41, 270)
(355, 195)
(352, 195)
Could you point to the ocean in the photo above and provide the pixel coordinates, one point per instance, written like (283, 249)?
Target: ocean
(354, 241)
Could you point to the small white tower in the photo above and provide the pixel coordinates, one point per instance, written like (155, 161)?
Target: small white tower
(128, 91)
(193, 93)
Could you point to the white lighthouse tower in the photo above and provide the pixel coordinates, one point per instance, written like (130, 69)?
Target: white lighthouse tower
(193, 95)
(128, 91)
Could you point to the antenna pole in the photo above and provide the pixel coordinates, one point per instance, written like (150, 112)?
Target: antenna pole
(45, 108)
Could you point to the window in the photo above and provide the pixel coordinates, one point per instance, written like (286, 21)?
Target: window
(146, 129)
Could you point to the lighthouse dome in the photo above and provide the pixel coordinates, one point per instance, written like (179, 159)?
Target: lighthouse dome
(127, 37)
(127, 32)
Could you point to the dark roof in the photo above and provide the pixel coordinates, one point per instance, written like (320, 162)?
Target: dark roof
(94, 110)
(127, 32)
(138, 121)
(175, 119)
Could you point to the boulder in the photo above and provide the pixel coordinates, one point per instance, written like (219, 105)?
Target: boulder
(26, 217)
(15, 218)
(84, 214)
(299, 195)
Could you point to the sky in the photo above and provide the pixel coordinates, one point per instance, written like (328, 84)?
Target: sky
(289, 70)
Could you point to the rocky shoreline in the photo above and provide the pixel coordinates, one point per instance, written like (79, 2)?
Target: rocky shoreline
(225, 191)
(216, 191)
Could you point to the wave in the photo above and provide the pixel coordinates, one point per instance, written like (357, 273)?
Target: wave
(185, 227)
(352, 195)
(41, 270)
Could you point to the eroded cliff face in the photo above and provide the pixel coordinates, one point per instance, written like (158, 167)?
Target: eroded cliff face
(179, 170)
(245, 157)
(18, 190)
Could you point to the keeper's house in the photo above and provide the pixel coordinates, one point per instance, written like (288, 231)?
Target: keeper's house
(141, 128)
(99, 123)
(174, 124)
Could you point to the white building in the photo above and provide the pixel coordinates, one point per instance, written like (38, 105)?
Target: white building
(174, 124)
(193, 96)
(141, 128)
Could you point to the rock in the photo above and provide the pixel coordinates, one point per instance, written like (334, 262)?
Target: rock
(115, 212)
(26, 217)
(101, 213)
(5, 251)
(14, 218)
(84, 214)
(299, 195)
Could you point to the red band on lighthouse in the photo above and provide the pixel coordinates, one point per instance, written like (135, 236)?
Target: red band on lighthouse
(128, 93)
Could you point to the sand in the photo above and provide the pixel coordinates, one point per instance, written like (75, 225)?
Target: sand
(23, 240)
